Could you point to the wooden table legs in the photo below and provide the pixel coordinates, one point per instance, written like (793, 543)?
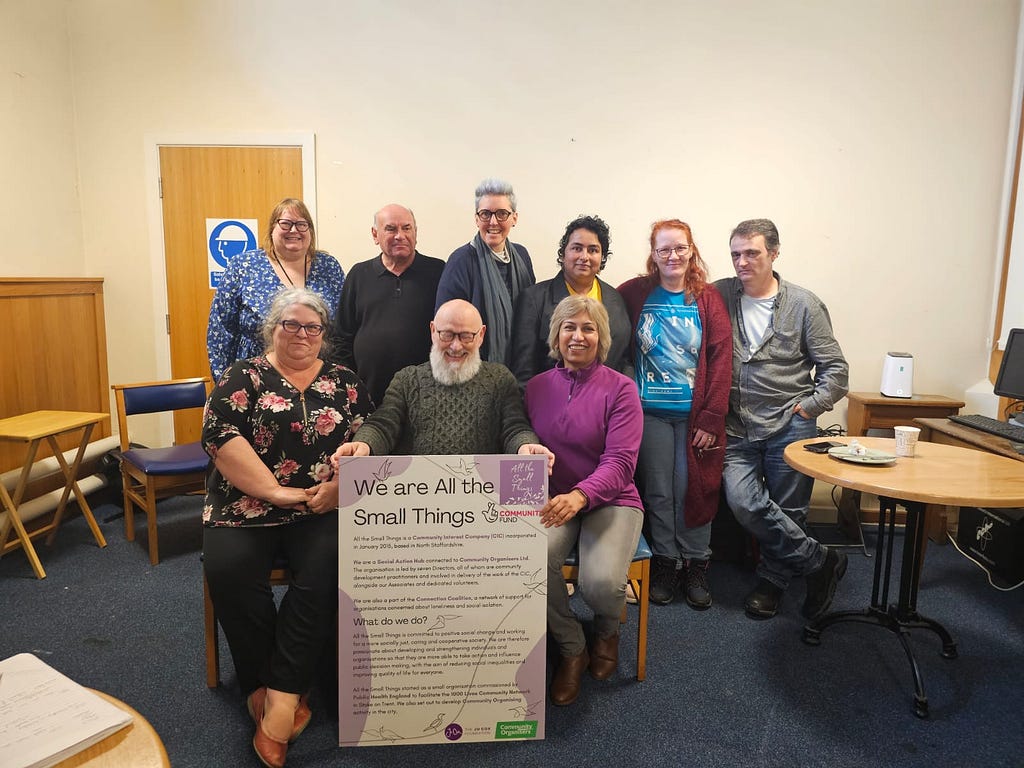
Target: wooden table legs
(11, 504)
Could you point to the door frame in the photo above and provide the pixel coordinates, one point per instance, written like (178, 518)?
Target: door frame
(305, 140)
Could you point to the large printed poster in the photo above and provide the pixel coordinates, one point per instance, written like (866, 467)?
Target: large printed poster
(441, 595)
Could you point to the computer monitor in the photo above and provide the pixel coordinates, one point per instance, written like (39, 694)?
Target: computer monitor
(1010, 381)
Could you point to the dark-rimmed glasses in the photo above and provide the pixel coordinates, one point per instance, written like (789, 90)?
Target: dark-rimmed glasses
(679, 250)
(464, 336)
(293, 326)
(501, 215)
(287, 224)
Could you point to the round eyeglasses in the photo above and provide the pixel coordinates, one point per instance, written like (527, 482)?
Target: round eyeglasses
(679, 250)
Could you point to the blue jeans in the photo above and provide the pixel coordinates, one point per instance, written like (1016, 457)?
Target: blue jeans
(662, 470)
(769, 499)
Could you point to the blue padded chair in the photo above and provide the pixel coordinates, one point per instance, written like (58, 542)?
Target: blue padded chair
(150, 474)
(639, 577)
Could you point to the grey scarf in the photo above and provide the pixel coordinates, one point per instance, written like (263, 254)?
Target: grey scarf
(498, 304)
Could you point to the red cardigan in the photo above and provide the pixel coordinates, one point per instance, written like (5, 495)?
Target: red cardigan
(710, 393)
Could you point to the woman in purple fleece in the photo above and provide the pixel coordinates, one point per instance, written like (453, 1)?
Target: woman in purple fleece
(590, 417)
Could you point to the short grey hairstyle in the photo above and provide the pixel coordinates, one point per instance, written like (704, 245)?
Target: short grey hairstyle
(495, 187)
(285, 298)
(571, 306)
(753, 227)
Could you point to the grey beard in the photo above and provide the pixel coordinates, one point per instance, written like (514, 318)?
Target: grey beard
(449, 375)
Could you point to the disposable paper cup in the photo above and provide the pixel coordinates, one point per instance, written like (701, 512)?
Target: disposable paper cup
(906, 440)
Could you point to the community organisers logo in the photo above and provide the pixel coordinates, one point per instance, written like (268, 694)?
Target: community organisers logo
(516, 729)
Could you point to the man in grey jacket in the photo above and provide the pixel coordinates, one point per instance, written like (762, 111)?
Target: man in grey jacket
(787, 370)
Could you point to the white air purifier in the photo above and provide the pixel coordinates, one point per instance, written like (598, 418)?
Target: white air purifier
(898, 374)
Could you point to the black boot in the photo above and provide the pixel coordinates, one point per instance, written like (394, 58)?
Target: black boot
(663, 580)
(763, 602)
(698, 593)
(821, 585)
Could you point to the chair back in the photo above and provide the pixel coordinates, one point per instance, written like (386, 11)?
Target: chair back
(158, 397)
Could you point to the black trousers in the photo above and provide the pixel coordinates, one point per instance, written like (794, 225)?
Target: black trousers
(276, 647)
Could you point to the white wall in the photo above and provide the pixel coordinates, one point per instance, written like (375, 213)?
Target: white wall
(38, 170)
(873, 132)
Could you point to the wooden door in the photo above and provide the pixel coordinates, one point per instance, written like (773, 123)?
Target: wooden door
(200, 183)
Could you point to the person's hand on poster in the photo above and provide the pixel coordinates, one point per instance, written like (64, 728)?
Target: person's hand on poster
(535, 449)
(323, 498)
(562, 508)
(354, 448)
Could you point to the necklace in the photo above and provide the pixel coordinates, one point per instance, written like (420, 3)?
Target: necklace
(305, 262)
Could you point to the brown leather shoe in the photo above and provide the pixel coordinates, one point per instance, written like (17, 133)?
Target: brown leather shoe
(303, 714)
(604, 657)
(565, 688)
(257, 700)
(269, 750)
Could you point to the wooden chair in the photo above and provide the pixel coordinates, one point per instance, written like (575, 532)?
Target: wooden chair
(639, 576)
(150, 474)
(279, 576)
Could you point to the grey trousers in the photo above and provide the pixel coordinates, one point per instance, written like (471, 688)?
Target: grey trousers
(607, 539)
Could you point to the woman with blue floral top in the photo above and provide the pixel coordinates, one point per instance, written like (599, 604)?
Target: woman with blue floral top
(289, 257)
(270, 428)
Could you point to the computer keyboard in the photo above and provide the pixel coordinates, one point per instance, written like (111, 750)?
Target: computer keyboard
(1011, 432)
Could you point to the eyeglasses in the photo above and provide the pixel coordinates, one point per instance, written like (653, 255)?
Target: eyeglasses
(679, 250)
(293, 326)
(465, 336)
(287, 224)
(484, 215)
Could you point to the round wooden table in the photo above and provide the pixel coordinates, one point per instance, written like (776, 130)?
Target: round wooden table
(135, 746)
(936, 474)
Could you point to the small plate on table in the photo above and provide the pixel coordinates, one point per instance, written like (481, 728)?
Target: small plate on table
(871, 456)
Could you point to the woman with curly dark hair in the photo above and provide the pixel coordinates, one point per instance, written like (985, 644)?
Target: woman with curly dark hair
(582, 253)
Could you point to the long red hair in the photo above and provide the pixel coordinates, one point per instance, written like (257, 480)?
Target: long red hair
(696, 271)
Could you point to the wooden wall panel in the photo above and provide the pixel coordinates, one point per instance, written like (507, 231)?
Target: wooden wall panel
(54, 353)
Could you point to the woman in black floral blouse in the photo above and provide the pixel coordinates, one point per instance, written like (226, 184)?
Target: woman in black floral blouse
(270, 428)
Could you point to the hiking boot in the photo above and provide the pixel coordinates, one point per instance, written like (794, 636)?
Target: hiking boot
(821, 585)
(698, 593)
(663, 580)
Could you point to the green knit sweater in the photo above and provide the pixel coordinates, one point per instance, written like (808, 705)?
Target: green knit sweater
(421, 417)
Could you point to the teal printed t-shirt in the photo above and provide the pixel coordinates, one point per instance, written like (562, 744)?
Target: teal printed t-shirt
(668, 337)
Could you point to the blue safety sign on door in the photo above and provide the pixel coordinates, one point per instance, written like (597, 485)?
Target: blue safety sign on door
(226, 238)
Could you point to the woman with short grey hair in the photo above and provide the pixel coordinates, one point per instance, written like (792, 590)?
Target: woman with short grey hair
(490, 271)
